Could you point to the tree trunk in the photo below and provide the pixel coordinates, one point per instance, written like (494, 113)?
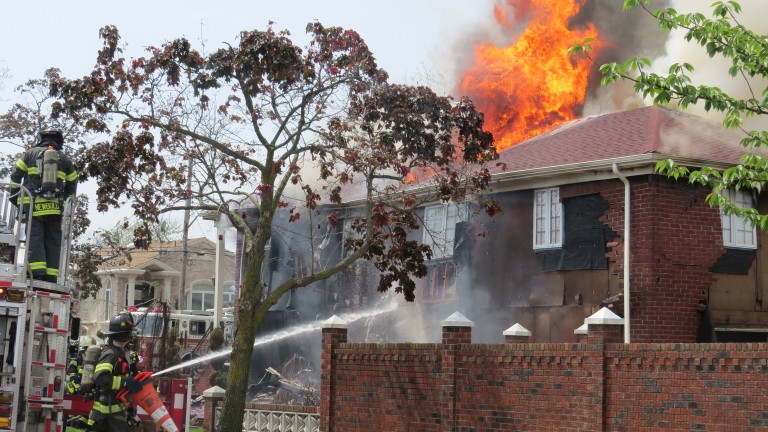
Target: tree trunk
(249, 317)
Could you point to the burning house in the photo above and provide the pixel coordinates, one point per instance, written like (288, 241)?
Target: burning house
(586, 223)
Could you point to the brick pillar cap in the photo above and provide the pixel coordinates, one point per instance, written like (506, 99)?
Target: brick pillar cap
(517, 330)
(214, 392)
(334, 322)
(582, 330)
(457, 320)
(605, 317)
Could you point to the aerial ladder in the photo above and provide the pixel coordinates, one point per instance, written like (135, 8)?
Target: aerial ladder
(34, 324)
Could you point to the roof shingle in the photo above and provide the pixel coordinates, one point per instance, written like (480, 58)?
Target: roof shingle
(651, 129)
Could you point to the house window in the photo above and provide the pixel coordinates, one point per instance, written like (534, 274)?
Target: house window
(229, 296)
(202, 297)
(738, 233)
(440, 229)
(547, 219)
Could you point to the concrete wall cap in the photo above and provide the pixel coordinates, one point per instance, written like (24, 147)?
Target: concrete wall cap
(605, 317)
(214, 392)
(584, 329)
(334, 322)
(517, 330)
(457, 320)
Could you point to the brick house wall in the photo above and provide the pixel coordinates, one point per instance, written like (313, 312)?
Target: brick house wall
(676, 238)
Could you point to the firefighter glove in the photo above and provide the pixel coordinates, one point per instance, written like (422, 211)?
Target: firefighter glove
(132, 385)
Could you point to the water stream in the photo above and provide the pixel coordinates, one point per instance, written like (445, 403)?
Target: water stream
(284, 334)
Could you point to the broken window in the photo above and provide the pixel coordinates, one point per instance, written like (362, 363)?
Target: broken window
(547, 219)
(738, 233)
(440, 228)
(584, 238)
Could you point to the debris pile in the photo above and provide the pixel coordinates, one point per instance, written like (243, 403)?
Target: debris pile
(297, 384)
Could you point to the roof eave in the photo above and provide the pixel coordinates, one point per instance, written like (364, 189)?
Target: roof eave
(634, 165)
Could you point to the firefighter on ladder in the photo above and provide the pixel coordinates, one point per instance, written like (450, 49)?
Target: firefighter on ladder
(51, 178)
(111, 375)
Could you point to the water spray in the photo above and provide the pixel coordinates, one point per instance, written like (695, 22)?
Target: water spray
(283, 334)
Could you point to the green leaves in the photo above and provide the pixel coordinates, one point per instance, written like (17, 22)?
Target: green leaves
(584, 47)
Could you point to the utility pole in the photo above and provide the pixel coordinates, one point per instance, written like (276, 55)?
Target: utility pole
(184, 242)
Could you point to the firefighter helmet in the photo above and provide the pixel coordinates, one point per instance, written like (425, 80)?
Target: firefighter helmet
(120, 327)
(51, 137)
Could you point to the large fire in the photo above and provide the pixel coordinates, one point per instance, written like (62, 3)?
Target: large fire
(532, 85)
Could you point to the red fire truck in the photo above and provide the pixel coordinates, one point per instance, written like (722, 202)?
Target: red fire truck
(35, 326)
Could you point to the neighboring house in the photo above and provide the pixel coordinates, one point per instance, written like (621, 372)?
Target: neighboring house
(155, 274)
(557, 252)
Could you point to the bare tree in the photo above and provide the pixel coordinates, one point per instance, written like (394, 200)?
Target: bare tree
(264, 115)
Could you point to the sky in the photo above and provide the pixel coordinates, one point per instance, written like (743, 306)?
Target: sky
(405, 36)
(412, 40)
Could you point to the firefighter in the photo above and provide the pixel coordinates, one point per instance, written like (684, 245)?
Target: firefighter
(74, 375)
(51, 178)
(111, 375)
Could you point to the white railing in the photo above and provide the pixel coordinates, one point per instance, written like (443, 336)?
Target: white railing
(257, 420)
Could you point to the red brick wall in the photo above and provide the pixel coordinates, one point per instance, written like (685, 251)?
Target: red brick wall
(675, 237)
(683, 387)
(520, 386)
(592, 386)
(376, 387)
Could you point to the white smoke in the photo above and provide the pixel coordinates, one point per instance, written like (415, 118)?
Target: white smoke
(714, 71)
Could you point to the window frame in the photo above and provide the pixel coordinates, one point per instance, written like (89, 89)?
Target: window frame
(446, 233)
(734, 224)
(553, 202)
(203, 290)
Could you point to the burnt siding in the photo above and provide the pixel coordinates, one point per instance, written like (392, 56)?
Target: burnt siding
(503, 262)
(585, 237)
(511, 283)
(735, 261)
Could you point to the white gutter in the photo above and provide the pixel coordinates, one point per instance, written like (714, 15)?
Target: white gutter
(626, 249)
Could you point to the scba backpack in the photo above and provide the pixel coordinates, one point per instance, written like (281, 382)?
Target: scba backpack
(49, 165)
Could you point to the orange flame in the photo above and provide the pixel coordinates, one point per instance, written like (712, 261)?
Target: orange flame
(531, 86)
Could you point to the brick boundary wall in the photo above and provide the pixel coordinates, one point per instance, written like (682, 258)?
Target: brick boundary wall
(599, 384)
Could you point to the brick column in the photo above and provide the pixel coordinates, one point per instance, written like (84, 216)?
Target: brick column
(334, 333)
(457, 330)
(211, 398)
(581, 333)
(603, 327)
(517, 334)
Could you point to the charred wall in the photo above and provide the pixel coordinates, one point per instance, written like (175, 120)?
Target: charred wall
(549, 292)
